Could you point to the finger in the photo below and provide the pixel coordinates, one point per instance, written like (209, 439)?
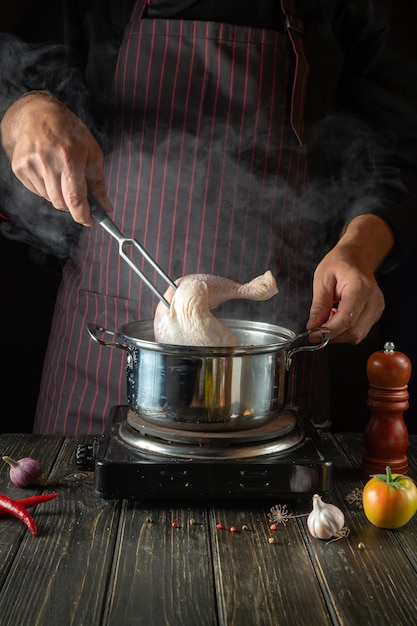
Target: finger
(54, 192)
(320, 311)
(35, 187)
(345, 322)
(353, 327)
(95, 180)
(40, 177)
(74, 191)
(346, 332)
(97, 190)
(31, 178)
(322, 301)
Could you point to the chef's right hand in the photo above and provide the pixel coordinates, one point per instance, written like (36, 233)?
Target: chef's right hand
(53, 153)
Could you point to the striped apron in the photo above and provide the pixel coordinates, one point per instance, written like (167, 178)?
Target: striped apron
(206, 168)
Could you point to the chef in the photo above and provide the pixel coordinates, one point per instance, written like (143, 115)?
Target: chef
(229, 138)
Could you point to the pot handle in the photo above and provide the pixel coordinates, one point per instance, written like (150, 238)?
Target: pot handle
(94, 329)
(324, 334)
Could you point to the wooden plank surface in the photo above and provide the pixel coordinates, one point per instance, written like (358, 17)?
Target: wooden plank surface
(162, 574)
(60, 577)
(373, 586)
(13, 532)
(261, 583)
(110, 563)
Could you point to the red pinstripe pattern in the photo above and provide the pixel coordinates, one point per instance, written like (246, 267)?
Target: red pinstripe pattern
(240, 142)
(182, 146)
(222, 179)
(206, 171)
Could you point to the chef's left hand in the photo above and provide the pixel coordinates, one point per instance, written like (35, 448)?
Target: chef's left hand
(346, 296)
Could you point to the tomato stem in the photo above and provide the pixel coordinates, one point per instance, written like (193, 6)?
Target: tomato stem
(392, 483)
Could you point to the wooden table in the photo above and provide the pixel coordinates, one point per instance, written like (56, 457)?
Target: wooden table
(97, 562)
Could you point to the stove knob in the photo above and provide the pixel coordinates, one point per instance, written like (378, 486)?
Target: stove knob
(85, 456)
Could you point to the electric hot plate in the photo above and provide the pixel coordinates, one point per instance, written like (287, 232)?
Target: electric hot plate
(139, 460)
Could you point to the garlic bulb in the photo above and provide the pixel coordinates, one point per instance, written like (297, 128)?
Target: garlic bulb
(26, 471)
(325, 520)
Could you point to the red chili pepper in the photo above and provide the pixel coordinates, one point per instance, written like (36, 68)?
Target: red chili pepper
(27, 503)
(13, 507)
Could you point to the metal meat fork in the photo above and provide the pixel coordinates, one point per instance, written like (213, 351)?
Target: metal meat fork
(102, 218)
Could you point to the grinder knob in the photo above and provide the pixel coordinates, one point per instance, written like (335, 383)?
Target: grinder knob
(387, 369)
(85, 456)
(385, 437)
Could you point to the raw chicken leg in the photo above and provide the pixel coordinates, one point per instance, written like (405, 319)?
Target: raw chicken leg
(189, 321)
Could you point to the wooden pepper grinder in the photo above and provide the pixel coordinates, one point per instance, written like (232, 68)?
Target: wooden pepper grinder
(385, 437)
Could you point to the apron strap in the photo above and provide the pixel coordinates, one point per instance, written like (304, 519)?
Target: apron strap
(138, 3)
(295, 29)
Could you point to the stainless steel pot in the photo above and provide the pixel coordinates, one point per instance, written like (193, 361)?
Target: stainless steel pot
(206, 388)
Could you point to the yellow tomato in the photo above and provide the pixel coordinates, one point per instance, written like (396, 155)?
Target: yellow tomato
(389, 500)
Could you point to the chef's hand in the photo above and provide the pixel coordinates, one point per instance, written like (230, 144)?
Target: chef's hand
(346, 296)
(54, 155)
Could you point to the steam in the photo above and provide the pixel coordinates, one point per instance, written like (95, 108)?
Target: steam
(25, 67)
(348, 175)
(35, 222)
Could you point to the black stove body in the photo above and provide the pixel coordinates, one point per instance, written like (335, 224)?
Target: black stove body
(129, 463)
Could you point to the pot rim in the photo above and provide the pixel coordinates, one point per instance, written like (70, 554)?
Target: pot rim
(284, 339)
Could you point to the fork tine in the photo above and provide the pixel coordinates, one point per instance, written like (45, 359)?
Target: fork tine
(102, 218)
